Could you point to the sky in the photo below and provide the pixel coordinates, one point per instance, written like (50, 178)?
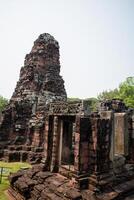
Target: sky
(96, 39)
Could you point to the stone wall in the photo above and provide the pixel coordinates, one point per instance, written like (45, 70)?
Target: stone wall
(39, 84)
(37, 123)
(93, 176)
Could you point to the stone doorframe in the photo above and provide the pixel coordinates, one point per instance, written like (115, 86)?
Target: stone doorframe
(53, 152)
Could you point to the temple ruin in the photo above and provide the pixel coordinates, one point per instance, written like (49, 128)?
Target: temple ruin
(81, 155)
(22, 127)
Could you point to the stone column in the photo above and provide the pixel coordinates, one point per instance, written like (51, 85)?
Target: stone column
(121, 133)
(54, 161)
(60, 142)
(46, 131)
(77, 144)
(131, 137)
(110, 115)
(73, 136)
(99, 152)
(85, 134)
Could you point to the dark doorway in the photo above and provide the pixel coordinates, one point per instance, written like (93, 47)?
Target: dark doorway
(67, 156)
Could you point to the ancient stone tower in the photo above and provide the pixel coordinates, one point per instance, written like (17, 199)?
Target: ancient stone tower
(39, 84)
(82, 155)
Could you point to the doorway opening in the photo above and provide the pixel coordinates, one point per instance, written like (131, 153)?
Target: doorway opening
(67, 143)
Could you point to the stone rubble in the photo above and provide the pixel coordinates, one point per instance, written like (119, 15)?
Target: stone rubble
(38, 184)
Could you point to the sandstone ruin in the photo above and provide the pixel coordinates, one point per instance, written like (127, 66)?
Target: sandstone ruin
(39, 84)
(82, 155)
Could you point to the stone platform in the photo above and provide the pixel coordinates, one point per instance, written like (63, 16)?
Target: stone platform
(38, 184)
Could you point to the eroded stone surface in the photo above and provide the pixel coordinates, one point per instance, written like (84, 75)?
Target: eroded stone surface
(36, 183)
(78, 147)
(39, 84)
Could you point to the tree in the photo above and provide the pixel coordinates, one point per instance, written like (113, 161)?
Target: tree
(3, 103)
(92, 103)
(126, 91)
(108, 94)
(73, 99)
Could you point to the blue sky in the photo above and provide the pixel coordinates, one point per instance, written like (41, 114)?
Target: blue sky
(96, 39)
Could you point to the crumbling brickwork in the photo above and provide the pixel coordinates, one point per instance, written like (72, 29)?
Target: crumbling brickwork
(39, 84)
(82, 155)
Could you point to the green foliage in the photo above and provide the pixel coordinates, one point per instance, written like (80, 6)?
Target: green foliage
(124, 92)
(92, 102)
(108, 94)
(3, 103)
(73, 99)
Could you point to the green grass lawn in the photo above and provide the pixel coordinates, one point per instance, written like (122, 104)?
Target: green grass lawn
(11, 167)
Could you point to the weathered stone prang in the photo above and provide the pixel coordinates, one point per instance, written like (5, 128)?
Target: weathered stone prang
(39, 84)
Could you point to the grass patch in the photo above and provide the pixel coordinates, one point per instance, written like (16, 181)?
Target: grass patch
(9, 167)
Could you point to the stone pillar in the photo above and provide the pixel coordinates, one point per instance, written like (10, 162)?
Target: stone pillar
(99, 151)
(73, 136)
(46, 131)
(54, 162)
(121, 133)
(131, 137)
(60, 141)
(77, 144)
(84, 145)
(110, 115)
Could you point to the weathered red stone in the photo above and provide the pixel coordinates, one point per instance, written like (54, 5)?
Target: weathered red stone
(78, 151)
